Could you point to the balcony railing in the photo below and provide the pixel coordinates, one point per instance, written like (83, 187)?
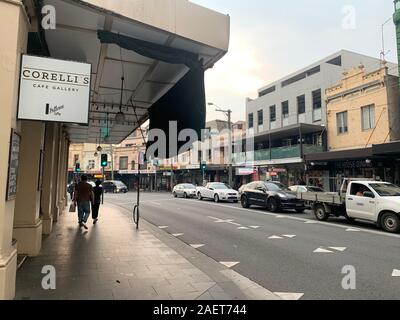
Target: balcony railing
(277, 153)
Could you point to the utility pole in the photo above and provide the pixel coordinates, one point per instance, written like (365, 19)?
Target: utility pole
(112, 162)
(228, 113)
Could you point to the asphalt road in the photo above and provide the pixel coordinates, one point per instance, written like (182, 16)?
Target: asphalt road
(287, 253)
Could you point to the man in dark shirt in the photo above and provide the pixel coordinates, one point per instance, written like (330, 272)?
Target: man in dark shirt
(83, 198)
(98, 192)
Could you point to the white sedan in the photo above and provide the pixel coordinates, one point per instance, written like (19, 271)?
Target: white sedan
(185, 190)
(218, 192)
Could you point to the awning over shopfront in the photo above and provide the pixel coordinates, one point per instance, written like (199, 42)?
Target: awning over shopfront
(161, 48)
(387, 149)
(339, 155)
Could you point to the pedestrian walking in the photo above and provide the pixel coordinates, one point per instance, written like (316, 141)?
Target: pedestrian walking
(98, 192)
(83, 198)
(71, 189)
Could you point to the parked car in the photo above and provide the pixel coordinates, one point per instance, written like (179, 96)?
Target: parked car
(217, 191)
(367, 200)
(299, 189)
(271, 195)
(185, 190)
(114, 186)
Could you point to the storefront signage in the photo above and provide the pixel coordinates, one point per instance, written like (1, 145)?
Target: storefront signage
(277, 170)
(244, 171)
(15, 143)
(353, 164)
(54, 90)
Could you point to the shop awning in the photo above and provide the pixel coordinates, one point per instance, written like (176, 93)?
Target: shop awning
(339, 155)
(173, 46)
(387, 149)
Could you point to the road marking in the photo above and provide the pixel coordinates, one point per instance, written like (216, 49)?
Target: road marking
(243, 228)
(178, 234)
(163, 227)
(352, 230)
(229, 264)
(280, 217)
(255, 227)
(196, 246)
(289, 295)
(341, 249)
(322, 250)
(291, 236)
(275, 238)
(396, 273)
(311, 222)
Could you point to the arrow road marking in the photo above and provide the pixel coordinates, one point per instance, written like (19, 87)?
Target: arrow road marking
(341, 249)
(289, 295)
(229, 264)
(396, 273)
(163, 227)
(291, 236)
(322, 250)
(177, 234)
(275, 238)
(196, 246)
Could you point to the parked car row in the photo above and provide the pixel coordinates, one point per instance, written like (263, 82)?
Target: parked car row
(367, 200)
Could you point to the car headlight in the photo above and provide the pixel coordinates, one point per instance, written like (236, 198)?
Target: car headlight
(281, 195)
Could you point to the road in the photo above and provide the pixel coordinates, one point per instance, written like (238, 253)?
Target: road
(288, 253)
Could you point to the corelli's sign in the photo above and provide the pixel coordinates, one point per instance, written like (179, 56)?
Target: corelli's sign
(54, 90)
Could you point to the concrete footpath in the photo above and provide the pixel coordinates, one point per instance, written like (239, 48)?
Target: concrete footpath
(113, 260)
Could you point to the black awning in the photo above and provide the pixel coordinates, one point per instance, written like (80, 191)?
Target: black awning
(185, 102)
(387, 149)
(339, 155)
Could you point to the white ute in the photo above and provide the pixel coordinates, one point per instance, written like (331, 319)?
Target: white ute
(217, 191)
(374, 201)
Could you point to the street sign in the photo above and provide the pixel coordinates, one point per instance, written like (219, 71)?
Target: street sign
(54, 90)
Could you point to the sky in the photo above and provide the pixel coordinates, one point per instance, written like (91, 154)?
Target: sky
(271, 39)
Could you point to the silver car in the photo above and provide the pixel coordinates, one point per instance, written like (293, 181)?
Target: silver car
(185, 190)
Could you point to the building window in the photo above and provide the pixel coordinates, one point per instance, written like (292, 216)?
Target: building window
(272, 113)
(266, 91)
(368, 117)
(285, 110)
(260, 117)
(91, 164)
(209, 155)
(301, 104)
(336, 61)
(123, 163)
(251, 120)
(76, 158)
(317, 105)
(341, 120)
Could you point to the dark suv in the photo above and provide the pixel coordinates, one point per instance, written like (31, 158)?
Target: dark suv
(114, 187)
(271, 195)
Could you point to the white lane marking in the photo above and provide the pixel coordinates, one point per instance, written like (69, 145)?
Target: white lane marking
(322, 250)
(341, 249)
(254, 227)
(311, 222)
(178, 234)
(197, 246)
(396, 273)
(352, 230)
(229, 264)
(243, 228)
(291, 236)
(163, 227)
(275, 238)
(289, 295)
(280, 217)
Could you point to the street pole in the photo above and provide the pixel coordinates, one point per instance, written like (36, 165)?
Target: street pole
(230, 148)
(112, 162)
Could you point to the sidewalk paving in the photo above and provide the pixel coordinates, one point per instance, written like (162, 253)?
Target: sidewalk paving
(113, 260)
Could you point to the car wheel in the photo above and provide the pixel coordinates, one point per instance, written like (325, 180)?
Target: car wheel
(175, 195)
(245, 202)
(390, 222)
(199, 196)
(273, 205)
(320, 212)
(185, 195)
(216, 198)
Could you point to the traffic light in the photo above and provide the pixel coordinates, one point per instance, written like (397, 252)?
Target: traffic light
(203, 166)
(104, 160)
(77, 167)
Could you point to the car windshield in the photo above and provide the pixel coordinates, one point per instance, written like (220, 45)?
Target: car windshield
(386, 189)
(188, 186)
(276, 186)
(119, 183)
(219, 186)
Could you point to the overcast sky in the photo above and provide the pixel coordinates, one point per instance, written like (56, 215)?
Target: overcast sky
(270, 39)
